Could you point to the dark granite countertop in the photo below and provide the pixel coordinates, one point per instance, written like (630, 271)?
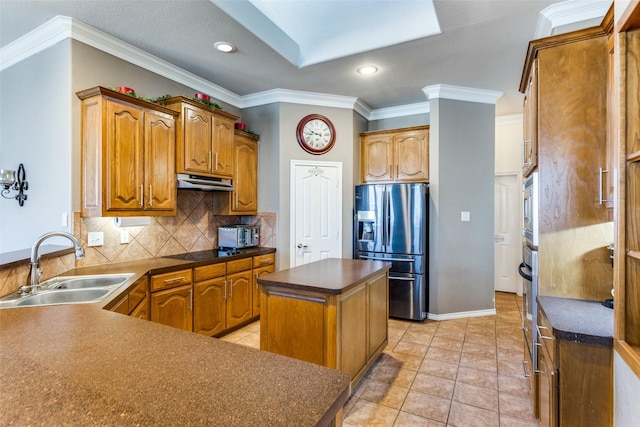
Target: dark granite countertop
(579, 320)
(78, 364)
(328, 276)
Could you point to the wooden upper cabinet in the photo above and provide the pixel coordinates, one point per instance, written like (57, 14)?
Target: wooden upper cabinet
(399, 155)
(205, 138)
(243, 200)
(127, 156)
(530, 122)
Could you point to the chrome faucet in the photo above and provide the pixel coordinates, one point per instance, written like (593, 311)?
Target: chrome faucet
(36, 271)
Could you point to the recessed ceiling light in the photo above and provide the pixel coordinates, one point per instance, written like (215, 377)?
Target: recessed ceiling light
(367, 69)
(225, 47)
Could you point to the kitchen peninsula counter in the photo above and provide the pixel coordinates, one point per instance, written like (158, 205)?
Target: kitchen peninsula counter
(332, 312)
(78, 364)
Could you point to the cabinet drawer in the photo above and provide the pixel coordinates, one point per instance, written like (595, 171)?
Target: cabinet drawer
(209, 271)
(546, 338)
(170, 280)
(262, 260)
(239, 265)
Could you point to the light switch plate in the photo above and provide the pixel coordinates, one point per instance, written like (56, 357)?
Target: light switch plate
(95, 238)
(465, 216)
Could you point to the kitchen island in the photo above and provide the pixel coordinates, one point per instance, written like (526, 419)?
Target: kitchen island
(78, 364)
(332, 312)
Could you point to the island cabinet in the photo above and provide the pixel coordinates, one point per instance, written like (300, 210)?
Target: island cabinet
(134, 302)
(332, 312)
(127, 156)
(239, 291)
(575, 363)
(243, 200)
(398, 155)
(262, 264)
(172, 299)
(205, 138)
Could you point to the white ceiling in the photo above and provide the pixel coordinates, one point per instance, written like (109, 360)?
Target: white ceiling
(481, 43)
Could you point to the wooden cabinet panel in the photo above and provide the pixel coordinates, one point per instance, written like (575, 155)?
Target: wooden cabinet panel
(122, 306)
(239, 265)
(172, 307)
(240, 292)
(376, 158)
(530, 123)
(127, 156)
(399, 155)
(377, 315)
(142, 310)
(353, 332)
(548, 391)
(262, 260)
(412, 156)
(124, 148)
(209, 271)
(196, 136)
(209, 306)
(293, 326)
(222, 146)
(160, 172)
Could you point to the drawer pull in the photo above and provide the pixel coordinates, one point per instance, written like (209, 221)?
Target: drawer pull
(175, 279)
(524, 368)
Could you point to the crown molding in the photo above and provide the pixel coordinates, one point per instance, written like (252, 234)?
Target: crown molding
(569, 12)
(400, 111)
(460, 93)
(63, 27)
(297, 97)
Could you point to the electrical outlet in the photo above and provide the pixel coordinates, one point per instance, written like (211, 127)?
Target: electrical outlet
(124, 236)
(465, 216)
(95, 238)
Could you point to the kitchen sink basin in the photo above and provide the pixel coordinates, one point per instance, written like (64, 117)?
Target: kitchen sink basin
(64, 297)
(68, 290)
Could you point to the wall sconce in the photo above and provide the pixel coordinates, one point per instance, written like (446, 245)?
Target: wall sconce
(9, 181)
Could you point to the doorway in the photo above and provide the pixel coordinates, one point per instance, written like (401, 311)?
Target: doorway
(507, 233)
(315, 211)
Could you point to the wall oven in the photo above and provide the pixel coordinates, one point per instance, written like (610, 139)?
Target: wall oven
(530, 210)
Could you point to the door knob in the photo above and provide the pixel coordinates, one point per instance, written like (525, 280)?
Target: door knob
(302, 245)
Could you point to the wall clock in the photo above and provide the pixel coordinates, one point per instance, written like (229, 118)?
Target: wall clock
(316, 134)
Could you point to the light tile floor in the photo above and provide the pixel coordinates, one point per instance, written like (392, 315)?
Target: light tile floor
(461, 372)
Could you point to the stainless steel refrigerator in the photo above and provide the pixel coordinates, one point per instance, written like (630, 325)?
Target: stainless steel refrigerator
(391, 223)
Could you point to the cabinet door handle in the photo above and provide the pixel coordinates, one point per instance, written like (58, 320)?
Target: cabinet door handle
(601, 198)
(256, 280)
(209, 166)
(175, 279)
(150, 196)
(141, 195)
(216, 165)
(191, 300)
(236, 201)
(230, 288)
(524, 368)
(224, 296)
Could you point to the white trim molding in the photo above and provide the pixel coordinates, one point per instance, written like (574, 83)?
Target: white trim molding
(297, 97)
(461, 314)
(460, 93)
(567, 13)
(400, 111)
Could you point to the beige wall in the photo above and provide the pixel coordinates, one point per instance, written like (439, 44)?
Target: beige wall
(509, 144)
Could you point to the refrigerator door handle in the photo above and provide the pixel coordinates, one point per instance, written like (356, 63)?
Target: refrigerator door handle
(386, 259)
(406, 279)
(387, 221)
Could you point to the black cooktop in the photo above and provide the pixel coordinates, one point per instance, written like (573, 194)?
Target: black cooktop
(205, 255)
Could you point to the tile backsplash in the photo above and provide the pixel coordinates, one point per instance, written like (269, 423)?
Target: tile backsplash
(194, 228)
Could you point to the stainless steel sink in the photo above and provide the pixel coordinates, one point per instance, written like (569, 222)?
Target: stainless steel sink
(68, 290)
(64, 297)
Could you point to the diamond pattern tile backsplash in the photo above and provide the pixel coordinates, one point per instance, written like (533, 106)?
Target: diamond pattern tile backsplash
(194, 228)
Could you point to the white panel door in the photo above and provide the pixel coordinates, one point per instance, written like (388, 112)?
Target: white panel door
(507, 239)
(316, 211)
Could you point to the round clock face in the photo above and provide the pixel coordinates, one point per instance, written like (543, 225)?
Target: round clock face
(316, 134)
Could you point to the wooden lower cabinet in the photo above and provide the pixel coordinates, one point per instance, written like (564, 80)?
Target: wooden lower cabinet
(575, 381)
(239, 298)
(134, 302)
(173, 307)
(209, 306)
(347, 331)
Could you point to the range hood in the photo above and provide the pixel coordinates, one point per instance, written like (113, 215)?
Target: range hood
(203, 183)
